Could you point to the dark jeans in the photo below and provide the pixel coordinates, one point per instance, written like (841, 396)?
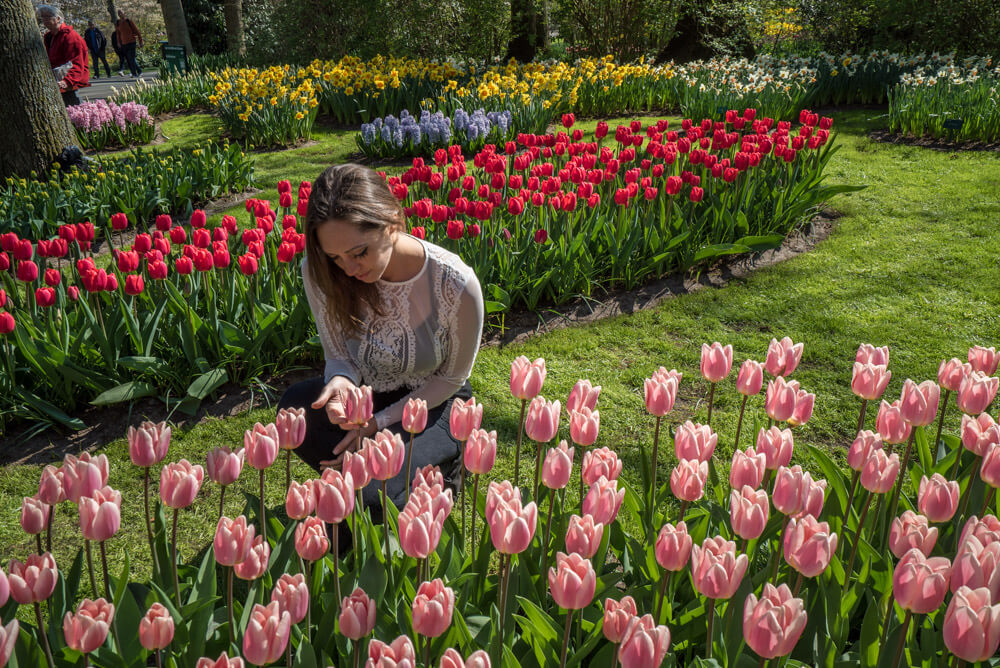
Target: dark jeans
(128, 54)
(434, 446)
(98, 57)
(70, 98)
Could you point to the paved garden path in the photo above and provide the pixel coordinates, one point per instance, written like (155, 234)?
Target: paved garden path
(102, 88)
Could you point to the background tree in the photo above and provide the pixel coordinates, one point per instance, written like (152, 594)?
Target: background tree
(176, 24)
(235, 43)
(626, 29)
(526, 24)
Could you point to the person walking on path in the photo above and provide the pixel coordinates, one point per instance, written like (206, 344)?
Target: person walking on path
(65, 47)
(98, 45)
(128, 37)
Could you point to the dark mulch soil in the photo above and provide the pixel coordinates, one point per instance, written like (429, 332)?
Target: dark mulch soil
(937, 144)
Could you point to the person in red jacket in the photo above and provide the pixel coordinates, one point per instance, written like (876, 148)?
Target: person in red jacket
(65, 45)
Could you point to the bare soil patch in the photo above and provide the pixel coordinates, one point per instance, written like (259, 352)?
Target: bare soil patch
(934, 143)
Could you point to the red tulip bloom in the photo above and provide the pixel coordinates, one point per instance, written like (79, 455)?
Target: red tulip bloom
(45, 297)
(198, 218)
(134, 284)
(119, 221)
(27, 271)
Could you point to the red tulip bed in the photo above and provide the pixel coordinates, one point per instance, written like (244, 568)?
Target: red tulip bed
(689, 568)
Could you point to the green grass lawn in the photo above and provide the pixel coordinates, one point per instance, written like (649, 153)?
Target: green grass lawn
(911, 263)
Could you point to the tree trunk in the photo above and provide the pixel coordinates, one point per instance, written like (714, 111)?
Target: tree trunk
(176, 24)
(35, 127)
(523, 31)
(234, 27)
(112, 12)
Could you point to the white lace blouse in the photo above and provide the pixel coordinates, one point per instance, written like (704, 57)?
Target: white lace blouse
(427, 340)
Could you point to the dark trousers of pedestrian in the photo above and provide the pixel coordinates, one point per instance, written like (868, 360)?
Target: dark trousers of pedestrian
(70, 98)
(128, 53)
(99, 57)
(434, 446)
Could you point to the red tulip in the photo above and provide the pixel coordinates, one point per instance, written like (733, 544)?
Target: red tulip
(266, 635)
(198, 218)
(52, 277)
(357, 615)
(716, 570)
(782, 357)
(45, 297)
(247, 264)
(119, 221)
(7, 323)
(156, 628)
(972, 625)
(919, 583)
(87, 630)
(27, 271)
(180, 483)
(909, 531)
(773, 625)
(557, 466)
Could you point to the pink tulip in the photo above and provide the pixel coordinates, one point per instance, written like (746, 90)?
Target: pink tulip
(600, 462)
(300, 500)
(255, 565)
(972, 625)
(750, 378)
(869, 354)
(976, 393)
(603, 501)
(748, 512)
(334, 496)
(716, 361)
(4, 588)
(512, 526)
(452, 659)
(311, 542)
(918, 404)
(415, 416)
(88, 628)
(101, 514)
(180, 483)
(432, 608)
(356, 464)
(716, 571)
(937, 498)
(673, 547)
(980, 434)
(399, 654)
(617, 615)
(156, 628)
(809, 545)
(233, 540)
(34, 580)
(695, 441)
(261, 444)
(776, 445)
(779, 402)
(292, 594)
(643, 645)
(84, 475)
(148, 444)
(880, 471)
(868, 381)
(266, 635)
(687, 480)
(572, 582)
(34, 515)
(465, 417)
(357, 402)
(782, 357)
(909, 531)
(919, 583)
(291, 426)
(583, 536)
(583, 395)
(984, 360)
(986, 530)
(584, 426)
(773, 625)
(500, 492)
(989, 471)
(976, 565)
(526, 377)
(890, 423)
(660, 394)
(951, 373)
(385, 454)
(420, 528)
(792, 490)
(223, 465)
(557, 466)
(51, 486)
(747, 468)
(542, 421)
(357, 615)
(804, 403)
(222, 662)
(428, 476)
(864, 444)
(481, 451)
(8, 638)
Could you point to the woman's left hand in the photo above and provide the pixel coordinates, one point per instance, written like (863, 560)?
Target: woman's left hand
(351, 442)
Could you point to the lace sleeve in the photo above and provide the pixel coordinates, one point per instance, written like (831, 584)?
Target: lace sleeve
(338, 361)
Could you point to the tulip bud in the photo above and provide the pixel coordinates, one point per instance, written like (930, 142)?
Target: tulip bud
(156, 628)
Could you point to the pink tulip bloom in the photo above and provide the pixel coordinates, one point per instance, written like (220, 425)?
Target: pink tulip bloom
(300, 500)
(557, 466)
(481, 451)
(84, 475)
(747, 468)
(919, 583)
(415, 416)
(868, 381)
(660, 394)
(617, 615)
(385, 454)
(748, 512)
(776, 445)
(687, 480)
(603, 501)
(357, 402)
(880, 472)
(782, 357)
(291, 426)
(500, 492)
(156, 628)
(261, 444)
(864, 444)
(512, 526)
(972, 625)
(716, 361)
(976, 393)
(890, 423)
(583, 395)
(266, 635)
(452, 659)
(600, 462)
(986, 530)
(8, 638)
(51, 486)
(222, 662)
(584, 426)
(356, 464)
(673, 547)
(34, 580)
(937, 498)
(542, 421)
(255, 565)
(779, 402)
(984, 360)
(975, 566)
(223, 465)
(695, 441)
(989, 471)
(420, 529)
(465, 417)
(909, 531)
(809, 545)
(804, 403)
(292, 594)
(773, 625)
(101, 514)
(583, 536)
(980, 434)
(334, 496)
(180, 483)
(357, 615)
(399, 654)
(643, 645)
(750, 378)
(428, 476)
(918, 404)
(952, 372)
(233, 540)
(4, 588)
(432, 608)
(716, 571)
(869, 354)
(87, 630)
(572, 582)
(148, 444)
(526, 377)
(792, 490)
(34, 515)
(311, 542)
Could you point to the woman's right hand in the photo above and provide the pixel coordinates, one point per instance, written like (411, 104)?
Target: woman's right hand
(331, 398)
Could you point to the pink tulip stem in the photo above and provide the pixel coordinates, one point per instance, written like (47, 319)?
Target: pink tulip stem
(968, 489)
(548, 533)
(357, 653)
(263, 508)
(461, 491)
(336, 561)
(861, 416)
(48, 530)
(857, 541)
(798, 585)
(159, 660)
(385, 523)
(850, 497)
(475, 512)
(885, 623)
(86, 660)
(614, 656)
(538, 469)
(149, 519)
(958, 663)
(760, 664)
(902, 639)
(104, 567)
(229, 603)
(680, 515)
(517, 449)
(504, 578)
(288, 648)
(652, 485)
(569, 619)
(664, 582)
(38, 543)
(409, 469)
(902, 471)
(427, 653)
(173, 557)
(989, 500)
(44, 635)
(711, 399)
(711, 619)
(288, 470)
(739, 422)
(90, 567)
(937, 439)
(222, 502)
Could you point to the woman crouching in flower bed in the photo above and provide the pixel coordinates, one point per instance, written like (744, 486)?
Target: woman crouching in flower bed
(400, 321)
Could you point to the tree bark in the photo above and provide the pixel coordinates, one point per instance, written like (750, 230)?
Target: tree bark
(35, 127)
(523, 31)
(234, 27)
(112, 12)
(176, 24)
